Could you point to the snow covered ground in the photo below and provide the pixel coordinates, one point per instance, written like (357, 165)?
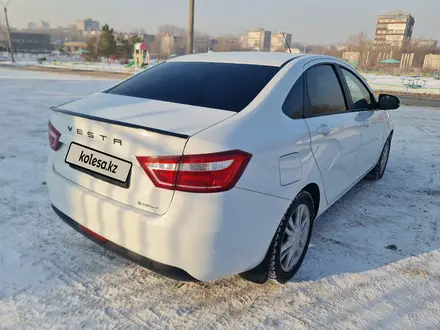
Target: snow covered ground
(104, 67)
(398, 84)
(374, 260)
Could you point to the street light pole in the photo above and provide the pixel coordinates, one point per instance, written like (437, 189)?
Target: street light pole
(8, 31)
(190, 49)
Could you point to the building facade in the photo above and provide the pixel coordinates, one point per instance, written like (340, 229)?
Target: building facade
(44, 25)
(87, 25)
(171, 44)
(432, 62)
(394, 30)
(259, 40)
(31, 26)
(74, 46)
(25, 42)
(279, 42)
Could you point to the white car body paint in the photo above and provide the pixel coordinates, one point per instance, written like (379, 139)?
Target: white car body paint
(290, 169)
(208, 234)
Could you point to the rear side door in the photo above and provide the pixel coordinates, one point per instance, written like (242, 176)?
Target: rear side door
(334, 131)
(373, 121)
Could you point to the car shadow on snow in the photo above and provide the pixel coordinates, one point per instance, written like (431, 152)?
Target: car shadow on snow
(377, 222)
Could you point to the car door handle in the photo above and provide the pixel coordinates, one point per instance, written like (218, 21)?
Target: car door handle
(366, 123)
(324, 129)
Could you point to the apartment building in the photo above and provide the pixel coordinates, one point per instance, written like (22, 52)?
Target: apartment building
(394, 29)
(259, 40)
(87, 25)
(280, 42)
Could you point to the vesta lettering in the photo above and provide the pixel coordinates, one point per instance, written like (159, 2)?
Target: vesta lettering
(93, 135)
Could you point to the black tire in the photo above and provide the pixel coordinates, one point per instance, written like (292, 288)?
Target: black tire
(378, 171)
(270, 268)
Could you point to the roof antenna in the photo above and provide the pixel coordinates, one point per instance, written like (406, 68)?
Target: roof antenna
(285, 39)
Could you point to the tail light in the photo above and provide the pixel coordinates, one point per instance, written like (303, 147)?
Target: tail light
(206, 173)
(54, 137)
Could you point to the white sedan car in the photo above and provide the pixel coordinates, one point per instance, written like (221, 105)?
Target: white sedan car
(217, 164)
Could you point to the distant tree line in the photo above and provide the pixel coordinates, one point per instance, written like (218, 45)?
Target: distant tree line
(107, 45)
(110, 44)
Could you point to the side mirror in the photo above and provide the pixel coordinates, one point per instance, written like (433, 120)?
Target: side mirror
(388, 102)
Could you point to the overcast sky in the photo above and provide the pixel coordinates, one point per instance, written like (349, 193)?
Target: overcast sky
(320, 21)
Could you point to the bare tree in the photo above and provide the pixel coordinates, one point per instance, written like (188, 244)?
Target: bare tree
(332, 50)
(362, 44)
(359, 42)
(201, 43)
(227, 43)
(419, 51)
(155, 47)
(317, 49)
(173, 30)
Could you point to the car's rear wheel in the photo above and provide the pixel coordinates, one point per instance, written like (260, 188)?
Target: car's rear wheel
(289, 245)
(378, 171)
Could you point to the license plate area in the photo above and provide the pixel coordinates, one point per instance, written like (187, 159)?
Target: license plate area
(99, 165)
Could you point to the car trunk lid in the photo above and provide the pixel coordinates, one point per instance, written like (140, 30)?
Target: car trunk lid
(116, 129)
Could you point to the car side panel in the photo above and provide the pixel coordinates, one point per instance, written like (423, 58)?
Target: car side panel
(373, 128)
(269, 135)
(336, 152)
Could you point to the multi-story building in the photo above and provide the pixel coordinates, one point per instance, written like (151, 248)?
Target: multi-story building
(280, 42)
(87, 25)
(259, 40)
(432, 62)
(31, 26)
(44, 25)
(171, 44)
(25, 42)
(74, 46)
(394, 29)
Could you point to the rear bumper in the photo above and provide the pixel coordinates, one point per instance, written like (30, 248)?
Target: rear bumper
(165, 270)
(205, 236)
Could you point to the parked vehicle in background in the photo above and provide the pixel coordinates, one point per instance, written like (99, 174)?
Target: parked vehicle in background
(216, 164)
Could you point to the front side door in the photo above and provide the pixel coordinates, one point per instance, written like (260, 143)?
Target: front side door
(372, 121)
(335, 134)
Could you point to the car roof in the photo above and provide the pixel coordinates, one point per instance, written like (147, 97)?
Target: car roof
(255, 58)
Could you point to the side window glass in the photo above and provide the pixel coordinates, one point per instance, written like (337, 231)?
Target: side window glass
(324, 91)
(361, 96)
(293, 106)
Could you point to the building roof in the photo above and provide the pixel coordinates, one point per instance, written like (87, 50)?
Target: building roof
(394, 14)
(256, 58)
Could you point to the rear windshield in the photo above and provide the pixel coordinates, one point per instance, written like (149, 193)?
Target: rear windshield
(223, 86)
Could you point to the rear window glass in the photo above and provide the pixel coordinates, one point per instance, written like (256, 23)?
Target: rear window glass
(223, 86)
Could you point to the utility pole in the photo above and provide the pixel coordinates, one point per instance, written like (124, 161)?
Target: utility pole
(8, 31)
(190, 49)
(285, 39)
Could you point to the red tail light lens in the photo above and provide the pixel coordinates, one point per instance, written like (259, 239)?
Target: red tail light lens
(54, 137)
(93, 234)
(196, 173)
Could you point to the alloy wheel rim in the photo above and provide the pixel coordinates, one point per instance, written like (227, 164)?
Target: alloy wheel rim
(295, 238)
